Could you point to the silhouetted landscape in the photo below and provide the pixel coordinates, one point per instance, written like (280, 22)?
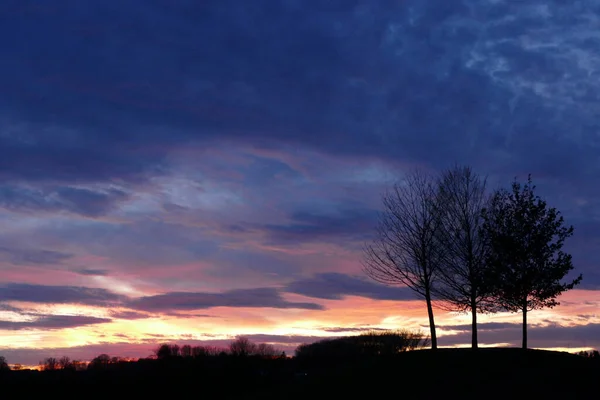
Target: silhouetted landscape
(273, 199)
(369, 365)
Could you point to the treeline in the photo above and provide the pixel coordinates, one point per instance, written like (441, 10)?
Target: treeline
(451, 241)
(380, 343)
(240, 347)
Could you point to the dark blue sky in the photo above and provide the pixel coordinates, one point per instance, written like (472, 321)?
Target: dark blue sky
(166, 156)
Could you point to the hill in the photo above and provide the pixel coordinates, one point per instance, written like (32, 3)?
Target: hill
(420, 374)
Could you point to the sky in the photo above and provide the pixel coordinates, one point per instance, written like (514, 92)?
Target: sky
(188, 171)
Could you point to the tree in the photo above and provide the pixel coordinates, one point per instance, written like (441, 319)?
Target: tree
(49, 364)
(99, 362)
(462, 283)
(65, 363)
(167, 351)
(3, 364)
(78, 365)
(404, 251)
(186, 350)
(526, 259)
(266, 350)
(242, 346)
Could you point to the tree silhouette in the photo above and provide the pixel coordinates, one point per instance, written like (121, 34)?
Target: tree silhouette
(242, 346)
(99, 362)
(186, 350)
(461, 283)
(3, 364)
(167, 350)
(65, 363)
(525, 238)
(266, 350)
(49, 364)
(404, 251)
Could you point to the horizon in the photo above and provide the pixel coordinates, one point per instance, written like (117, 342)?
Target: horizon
(195, 172)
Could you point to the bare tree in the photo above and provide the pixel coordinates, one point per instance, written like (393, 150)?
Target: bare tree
(404, 251)
(462, 284)
(266, 350)
(242, 346)
(49, 364)
(3, 364)
(65, 363)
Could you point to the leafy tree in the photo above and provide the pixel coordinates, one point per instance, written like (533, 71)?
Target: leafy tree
(526, 260)
(167, 350)
(185, 351)
(99, 362)
(461, 274)
(404, 251)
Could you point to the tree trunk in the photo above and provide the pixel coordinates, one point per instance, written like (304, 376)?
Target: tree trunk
(474, 341)
(525, 327)
(431, 321)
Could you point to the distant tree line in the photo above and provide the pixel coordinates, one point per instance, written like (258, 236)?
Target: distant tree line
(380, 343)
(449, 240)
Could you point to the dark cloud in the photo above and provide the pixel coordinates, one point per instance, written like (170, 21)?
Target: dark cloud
(335, 286)
(53, 322)
(91, 272)
(259, 298)
(71, 199)
(7, 307)
(57, 294)
(129, 315)
(23, 256)
(313, 226)
(324, 76)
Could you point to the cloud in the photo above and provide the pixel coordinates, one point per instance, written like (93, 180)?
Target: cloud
(128, 315)
(357, 224)
(486, 326)
(258, 298)
(321, 76)
(23, 256)
(341, 329)
(91, 272)
(57, 294)
(543, 336)
(80, 201)
(49, 322)
(335, 286)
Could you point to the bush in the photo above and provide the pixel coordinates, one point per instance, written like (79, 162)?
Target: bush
(384, 343)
